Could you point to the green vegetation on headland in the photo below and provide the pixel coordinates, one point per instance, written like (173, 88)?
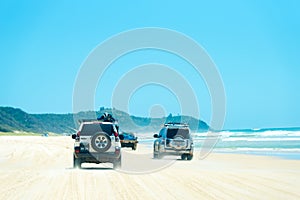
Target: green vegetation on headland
(22, 133)
(14, 120)
(18, 133)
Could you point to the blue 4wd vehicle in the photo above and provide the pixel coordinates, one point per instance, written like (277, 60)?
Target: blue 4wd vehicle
(174, 139)
(97, 142)
(128, 140)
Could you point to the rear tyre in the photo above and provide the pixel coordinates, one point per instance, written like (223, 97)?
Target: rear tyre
(183, 157)
(156, 150)
(134, 147)
(117, 164)
(189, 157)
(157, 156)
(76, 162)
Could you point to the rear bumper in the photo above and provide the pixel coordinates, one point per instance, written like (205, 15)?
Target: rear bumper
(177, 152)
(172, 151)
(128, 143)
(98, 157)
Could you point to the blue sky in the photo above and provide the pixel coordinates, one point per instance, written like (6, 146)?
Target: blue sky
(254, 44)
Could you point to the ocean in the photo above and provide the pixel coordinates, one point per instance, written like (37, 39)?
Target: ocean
(284, 143)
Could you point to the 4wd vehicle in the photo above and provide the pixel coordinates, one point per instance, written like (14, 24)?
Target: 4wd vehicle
(174, 139)
(128, 140)
(97, 142)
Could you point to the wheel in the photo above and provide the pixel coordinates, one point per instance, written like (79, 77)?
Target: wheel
(134, 147)
(117, 164)
(183, 156)
(76, 162)
(101, 142)
(189, 156)
(157, 156)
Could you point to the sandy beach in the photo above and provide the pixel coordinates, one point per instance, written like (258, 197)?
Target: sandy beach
(33, 167)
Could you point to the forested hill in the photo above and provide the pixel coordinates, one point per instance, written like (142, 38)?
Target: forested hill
(15, 119)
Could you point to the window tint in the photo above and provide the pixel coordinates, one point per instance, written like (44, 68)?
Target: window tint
(91, 129)
(172, 132)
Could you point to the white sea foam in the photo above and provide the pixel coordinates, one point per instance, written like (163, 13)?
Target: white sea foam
(268, 133)
(279, 133)
(246, 149)
(262, 139)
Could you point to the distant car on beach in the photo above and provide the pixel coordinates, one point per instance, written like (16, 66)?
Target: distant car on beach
(174, 139)
(129, 140)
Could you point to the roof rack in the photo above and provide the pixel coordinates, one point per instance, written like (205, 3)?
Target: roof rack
(87, 120)
(94, 120)
(176, 124)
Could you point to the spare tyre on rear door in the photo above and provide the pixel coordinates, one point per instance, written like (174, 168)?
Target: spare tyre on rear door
(101, 142)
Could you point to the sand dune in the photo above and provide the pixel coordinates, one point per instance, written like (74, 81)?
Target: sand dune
(41, 168)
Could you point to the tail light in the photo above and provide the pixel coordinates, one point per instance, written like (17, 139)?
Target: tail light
(78, 133)
(77, 150)
(116, 134)
(117, 150)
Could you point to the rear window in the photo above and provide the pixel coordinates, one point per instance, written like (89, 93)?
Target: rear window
(129, 136)
(91, 129)
(173, 132)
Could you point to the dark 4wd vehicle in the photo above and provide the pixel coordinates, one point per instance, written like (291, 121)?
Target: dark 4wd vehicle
(174, 139)
(97, 142)
(128, 140)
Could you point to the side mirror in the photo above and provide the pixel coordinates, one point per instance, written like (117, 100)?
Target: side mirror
(155, 135)
(121, 137)
(74, 136)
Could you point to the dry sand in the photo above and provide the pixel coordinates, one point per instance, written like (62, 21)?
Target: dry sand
(41, 168)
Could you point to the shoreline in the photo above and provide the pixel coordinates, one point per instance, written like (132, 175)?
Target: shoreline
(285, 155)
(147, 144)
(278, 153)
